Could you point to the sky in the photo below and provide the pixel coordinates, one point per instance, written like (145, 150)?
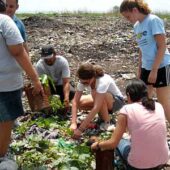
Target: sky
(83, 5)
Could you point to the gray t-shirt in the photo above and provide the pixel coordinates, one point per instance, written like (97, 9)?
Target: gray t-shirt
(58, 71)
(10, 71)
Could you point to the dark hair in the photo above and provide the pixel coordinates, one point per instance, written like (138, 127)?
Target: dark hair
(137, 90)
(128, 5)
(47, 50)
(88, 71)
(2, 6)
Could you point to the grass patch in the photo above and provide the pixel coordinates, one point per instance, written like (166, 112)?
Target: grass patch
(68, 14)
(163, 15)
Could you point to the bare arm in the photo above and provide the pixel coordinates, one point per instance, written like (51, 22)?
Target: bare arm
(161, 46)
(116, 135)
(18, 52)
(75, 103)
(140, 64)
(66, 91)
(99, 98)
(26, 47)
(98, 101)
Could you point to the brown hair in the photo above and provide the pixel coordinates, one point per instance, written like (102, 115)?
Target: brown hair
(88, 71)
(128, 5)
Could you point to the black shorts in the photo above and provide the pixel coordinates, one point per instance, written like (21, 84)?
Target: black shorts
(163, 77)
(59, 91)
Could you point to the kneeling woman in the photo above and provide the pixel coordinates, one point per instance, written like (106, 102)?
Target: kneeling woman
(145, 122)
(105, 96)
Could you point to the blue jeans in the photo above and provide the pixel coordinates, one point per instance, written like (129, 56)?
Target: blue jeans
(124, 148)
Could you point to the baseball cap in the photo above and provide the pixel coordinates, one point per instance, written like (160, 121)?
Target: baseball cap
(47, 51)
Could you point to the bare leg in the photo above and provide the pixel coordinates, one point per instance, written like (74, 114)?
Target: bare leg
(107, 105)
(151, 91)
(163, 95)
(86, 102)
(5, 136)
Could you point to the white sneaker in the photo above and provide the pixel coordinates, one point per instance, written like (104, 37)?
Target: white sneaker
(106, 126)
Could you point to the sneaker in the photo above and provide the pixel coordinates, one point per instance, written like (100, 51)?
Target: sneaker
(106, 126)
(7, 164)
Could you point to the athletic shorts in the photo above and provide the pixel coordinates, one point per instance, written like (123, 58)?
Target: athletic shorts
(118, 103)
(10, 105)
(163, 77)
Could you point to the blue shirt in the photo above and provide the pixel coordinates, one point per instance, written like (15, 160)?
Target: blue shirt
(144, 32)
(21, 27)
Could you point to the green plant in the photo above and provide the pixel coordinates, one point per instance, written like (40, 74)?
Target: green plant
(55, 103)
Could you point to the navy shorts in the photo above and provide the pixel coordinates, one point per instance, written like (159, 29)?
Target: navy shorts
(163, 77)
(10, 105)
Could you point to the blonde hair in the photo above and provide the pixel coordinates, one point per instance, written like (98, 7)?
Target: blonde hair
(128, 5)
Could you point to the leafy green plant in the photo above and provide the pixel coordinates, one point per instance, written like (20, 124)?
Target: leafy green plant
(47, 80)
(56, 103)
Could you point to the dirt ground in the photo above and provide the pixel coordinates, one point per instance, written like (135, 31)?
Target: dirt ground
(103, 40)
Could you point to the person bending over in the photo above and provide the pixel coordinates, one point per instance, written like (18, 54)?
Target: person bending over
(105, 96)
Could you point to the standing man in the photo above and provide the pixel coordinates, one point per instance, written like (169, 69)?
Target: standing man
(57, 68)
(11, 7)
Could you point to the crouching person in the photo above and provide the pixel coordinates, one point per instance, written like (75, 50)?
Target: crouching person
(144, 118)
(57, 67)
(105, 97)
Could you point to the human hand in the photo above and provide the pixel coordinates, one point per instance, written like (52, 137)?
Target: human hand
(152, 76)
(66, 103)
(95, 146)
(73, 126)
(92, 140)
(77, 134)
(37, 88)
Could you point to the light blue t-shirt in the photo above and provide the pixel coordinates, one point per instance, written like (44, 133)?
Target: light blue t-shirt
(21, 27)
(10, 71)
(145, 32)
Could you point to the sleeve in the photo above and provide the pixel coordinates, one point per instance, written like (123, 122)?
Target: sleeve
(11, 32)
(157, 26)
(65, 68)
(40, 69)
(124, 110)
(80, 87)
(102, 85)
(23, 31)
